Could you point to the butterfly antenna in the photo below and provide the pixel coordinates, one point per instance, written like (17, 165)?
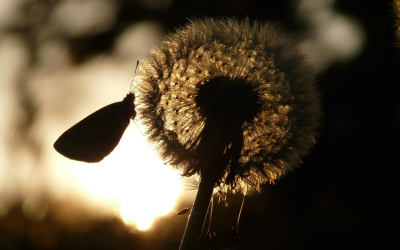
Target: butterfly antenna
(138, 128)
(137, 65)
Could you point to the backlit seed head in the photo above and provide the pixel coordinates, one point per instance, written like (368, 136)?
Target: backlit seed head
(231, 101)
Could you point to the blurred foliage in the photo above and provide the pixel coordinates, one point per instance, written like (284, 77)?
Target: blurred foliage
(58, 231)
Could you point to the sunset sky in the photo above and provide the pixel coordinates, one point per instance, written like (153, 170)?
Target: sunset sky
(60, 62)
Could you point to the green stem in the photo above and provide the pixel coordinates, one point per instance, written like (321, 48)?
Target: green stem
(198, 215)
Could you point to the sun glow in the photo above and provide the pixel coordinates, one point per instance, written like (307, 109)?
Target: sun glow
(132, 180)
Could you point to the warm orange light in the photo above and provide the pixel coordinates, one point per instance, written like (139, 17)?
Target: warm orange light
(131, 181)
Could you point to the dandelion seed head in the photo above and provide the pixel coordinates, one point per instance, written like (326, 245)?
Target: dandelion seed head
(231, 100)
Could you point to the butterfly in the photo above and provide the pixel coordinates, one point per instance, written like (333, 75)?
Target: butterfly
(96, 136)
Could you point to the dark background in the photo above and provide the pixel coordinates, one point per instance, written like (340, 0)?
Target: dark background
(343, 196)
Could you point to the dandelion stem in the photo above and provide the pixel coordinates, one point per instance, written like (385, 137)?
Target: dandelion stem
(197, 217)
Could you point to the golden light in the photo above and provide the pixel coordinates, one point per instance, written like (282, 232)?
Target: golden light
(131, 181)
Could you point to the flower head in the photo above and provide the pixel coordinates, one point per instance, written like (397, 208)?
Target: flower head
(231, 101)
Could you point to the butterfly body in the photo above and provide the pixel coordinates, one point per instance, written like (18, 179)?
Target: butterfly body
(96, 136)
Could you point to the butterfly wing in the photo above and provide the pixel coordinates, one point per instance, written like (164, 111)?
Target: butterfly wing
(96, 136)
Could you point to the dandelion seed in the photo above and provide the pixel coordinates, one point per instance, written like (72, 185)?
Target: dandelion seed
(208, 240)
(233, 100)
(215, 240)
(183, 211)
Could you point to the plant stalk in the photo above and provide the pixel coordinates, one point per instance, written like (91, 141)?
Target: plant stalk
(198, 215)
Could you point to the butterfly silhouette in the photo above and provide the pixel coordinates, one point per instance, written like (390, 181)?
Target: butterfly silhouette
(96, 136)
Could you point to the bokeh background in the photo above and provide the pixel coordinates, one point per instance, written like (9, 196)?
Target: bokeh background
(60, 60)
